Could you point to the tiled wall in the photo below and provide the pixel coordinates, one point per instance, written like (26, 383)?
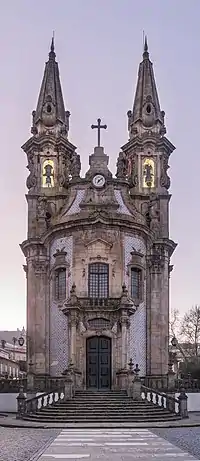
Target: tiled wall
(137, 336)
(75, 205)
(122, 207)
(58, 321)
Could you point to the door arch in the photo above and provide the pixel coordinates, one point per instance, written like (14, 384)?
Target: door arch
(98, 362)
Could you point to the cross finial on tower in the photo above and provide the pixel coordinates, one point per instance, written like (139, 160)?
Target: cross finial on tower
(52, 42)
(145, 53)
(52, 49)
(98, 127)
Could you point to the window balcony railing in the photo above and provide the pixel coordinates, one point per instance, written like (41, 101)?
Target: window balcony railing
(110, 303)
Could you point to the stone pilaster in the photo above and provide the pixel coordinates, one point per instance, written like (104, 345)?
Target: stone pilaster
(159, 311)
(37, 318)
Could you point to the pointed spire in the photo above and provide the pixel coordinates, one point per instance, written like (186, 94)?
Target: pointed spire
(52, 43)
(50, 112)
(52, 54)
(146, 111)
(145, 53)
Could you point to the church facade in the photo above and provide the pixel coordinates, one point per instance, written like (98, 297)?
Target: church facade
(98, 248)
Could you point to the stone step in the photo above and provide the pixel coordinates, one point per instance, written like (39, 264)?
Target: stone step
(72, 403)
(104, 411)
(116, 419)
(101, 392)
(102, 407)
(102, 397)
(99, 407)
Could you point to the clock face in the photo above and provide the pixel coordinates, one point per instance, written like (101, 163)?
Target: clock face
(98, 180)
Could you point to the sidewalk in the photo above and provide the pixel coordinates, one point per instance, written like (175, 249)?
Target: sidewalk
(11, 421)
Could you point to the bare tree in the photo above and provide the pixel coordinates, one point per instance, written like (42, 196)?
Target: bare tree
(190, 332)
(175, 328)
(174, 324)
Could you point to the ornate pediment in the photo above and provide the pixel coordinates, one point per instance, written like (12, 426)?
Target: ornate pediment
(100, 241)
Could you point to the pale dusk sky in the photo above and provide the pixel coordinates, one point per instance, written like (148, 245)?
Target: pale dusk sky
(99, 47)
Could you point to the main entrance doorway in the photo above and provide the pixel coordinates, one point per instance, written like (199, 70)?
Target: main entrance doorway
(98, 368)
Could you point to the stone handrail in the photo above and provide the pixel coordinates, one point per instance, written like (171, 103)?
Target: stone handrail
(177, 406)
(32, 405)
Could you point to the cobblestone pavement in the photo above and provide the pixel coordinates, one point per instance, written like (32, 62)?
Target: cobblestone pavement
(22, 444)
(112, 444)
(186, 438)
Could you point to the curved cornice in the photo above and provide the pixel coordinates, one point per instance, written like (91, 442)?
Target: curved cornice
(126, 223)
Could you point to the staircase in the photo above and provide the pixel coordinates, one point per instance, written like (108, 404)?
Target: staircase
(102, 407)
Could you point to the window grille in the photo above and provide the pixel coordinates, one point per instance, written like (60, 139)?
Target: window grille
(98, 280)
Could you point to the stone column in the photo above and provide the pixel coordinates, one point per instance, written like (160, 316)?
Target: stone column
(37, 333)
(158, 315)
(137, 385)
(124, 341)
(73, 323)
(183, 410)
(73, 319)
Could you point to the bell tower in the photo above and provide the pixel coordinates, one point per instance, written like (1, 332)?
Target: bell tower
(52, 164)
(146, 156)
(148, 150)
(51, 157)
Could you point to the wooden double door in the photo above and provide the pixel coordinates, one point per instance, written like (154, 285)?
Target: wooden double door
(98, 368)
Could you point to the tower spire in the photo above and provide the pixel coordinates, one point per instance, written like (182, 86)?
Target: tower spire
(50, 112)
(52, 43)
(145, 53)
(146, 111)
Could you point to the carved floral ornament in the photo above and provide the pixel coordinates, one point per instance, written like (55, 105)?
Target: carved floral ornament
(40, 267)
(156, 261)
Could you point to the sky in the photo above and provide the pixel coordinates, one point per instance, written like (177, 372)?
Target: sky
(99, 46)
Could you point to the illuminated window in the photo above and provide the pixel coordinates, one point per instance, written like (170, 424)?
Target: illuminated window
(48, 173)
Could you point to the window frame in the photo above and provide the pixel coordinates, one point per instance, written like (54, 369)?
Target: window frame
(138, 299)
(106, 265)
(58, 270)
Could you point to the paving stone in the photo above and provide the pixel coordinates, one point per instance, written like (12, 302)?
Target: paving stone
(185, 438)
(23, 444)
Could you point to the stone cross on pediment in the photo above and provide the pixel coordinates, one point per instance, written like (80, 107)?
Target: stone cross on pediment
(98, 127)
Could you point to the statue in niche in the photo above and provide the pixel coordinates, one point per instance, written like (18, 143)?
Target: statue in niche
(75, 166)
(41, 207)
(48, 174)
(164, 178)
(121, 166)
(131, 169)
(31, 180)
(64, 173)
(154, 215)
(148, 173)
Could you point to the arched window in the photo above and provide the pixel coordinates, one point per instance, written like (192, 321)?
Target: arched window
(60, 283)
(136, 279)
(98, 281)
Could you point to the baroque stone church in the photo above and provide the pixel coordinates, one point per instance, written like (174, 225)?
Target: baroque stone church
(98, 248)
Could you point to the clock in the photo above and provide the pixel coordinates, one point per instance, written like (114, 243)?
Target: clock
(98, 180)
